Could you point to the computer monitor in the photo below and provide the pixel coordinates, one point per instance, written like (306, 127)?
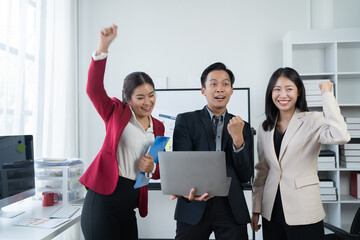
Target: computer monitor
(17, 178)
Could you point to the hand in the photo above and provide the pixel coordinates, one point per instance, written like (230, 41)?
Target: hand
(235, 129)
(146, 163)
(192, 196)
(255, 226)
(107, 35)
(325, 86)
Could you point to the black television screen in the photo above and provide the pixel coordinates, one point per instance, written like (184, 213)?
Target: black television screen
(17, 179)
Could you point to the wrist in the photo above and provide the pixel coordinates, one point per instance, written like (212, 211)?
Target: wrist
(99, 51)
(153, 169)
(102, 48)
(238, 142)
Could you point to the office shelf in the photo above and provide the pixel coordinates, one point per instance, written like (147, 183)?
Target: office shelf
(346, 198)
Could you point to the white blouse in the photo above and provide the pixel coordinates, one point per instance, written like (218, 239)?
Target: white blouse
(133, 144)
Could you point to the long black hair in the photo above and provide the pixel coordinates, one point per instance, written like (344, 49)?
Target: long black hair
(271, 111)
(132, 81)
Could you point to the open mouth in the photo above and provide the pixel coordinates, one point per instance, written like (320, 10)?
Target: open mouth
(220, 97)
(283, 102)
(146, 108)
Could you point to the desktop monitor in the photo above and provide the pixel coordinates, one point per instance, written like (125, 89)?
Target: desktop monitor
(17, 180)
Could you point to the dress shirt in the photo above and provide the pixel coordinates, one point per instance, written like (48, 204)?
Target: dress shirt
(101, 56)
(134, 143)
(219, 131)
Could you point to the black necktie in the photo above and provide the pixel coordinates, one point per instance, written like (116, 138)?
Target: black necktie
(215, 123)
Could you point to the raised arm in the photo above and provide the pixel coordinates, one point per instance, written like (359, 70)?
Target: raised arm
(242, 139)
(330, 126)
(95, 85)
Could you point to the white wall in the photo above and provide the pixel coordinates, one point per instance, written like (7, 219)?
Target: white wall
(346, 13)
(178, 39)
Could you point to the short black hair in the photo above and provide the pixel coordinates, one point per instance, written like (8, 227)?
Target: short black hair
(271, 111)
(218, 66)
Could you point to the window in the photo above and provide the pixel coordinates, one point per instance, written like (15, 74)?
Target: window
(18, 80)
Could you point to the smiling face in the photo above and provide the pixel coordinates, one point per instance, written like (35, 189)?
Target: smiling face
(142, 101)
(217, 91)
(284, 95)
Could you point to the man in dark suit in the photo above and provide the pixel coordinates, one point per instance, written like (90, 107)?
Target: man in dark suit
(214, 129)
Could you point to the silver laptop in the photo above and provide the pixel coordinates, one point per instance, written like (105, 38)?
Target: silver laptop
(205, 171)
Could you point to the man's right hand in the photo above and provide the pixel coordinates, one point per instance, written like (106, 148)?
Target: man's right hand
(107, 35)
(192, 196)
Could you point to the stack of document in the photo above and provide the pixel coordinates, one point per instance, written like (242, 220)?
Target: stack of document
(350, 155)
(58, 161)
(313, 92)
(326, 160)
(327, 190)
(353, 126)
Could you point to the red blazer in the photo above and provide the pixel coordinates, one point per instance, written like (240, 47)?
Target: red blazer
(102, 174)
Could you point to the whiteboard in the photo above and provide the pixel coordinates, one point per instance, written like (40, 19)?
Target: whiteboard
(177, 101)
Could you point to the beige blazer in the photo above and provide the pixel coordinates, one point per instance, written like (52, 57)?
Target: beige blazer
(296, 170)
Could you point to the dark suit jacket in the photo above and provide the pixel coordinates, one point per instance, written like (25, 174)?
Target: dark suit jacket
(194, 132)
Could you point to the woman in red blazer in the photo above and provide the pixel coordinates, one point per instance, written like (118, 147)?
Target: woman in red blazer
(108, 211)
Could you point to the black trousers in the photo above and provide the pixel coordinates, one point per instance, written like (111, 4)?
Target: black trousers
(277, 229)
(217, 218)
(111, 216)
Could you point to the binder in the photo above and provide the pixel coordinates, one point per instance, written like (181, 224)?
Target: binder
(355, 184)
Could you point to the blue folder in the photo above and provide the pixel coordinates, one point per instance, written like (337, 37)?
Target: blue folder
(158, 145)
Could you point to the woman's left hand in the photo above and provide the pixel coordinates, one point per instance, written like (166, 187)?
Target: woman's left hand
(146, 163)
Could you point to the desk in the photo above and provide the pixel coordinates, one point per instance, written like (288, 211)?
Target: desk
(32, 208)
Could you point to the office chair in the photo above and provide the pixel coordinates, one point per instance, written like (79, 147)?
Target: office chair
(340, 234)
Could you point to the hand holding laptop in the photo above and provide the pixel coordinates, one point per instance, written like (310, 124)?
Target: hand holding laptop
(192, 196)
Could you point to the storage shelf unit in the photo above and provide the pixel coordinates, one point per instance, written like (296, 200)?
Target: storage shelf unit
(63, 180)
(331, 54)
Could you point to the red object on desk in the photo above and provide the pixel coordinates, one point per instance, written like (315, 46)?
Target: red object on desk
(49, 200)
(355, 184)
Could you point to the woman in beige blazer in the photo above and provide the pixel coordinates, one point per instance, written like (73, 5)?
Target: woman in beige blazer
(286, 187)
